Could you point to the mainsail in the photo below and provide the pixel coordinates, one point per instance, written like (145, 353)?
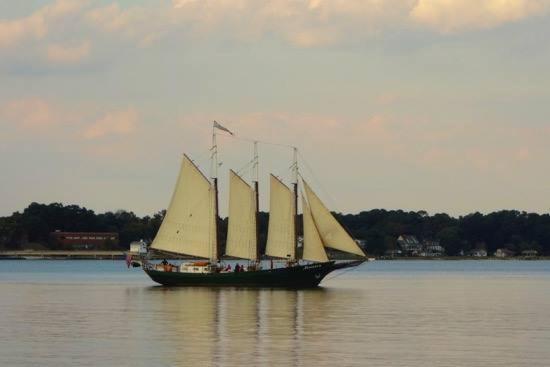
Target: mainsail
(330, 231)
(189, 226)
(313, 245)
(241, 233)
(281, 231)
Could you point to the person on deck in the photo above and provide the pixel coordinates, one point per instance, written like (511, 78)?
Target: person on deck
(237, 268)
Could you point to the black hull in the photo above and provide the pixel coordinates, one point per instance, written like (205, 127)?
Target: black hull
(300, 276)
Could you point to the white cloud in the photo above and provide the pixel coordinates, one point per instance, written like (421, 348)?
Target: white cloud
(13, 31)
(115, 123)
(36, 25)
(463, 15)
(309, 23)
(68, 54)
(303, 23)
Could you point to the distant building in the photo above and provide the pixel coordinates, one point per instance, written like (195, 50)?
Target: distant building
(478, 253)
(83, 240)
(503, 252)
(138, 247)
(530, 253)
(431, 248)
(409, 245)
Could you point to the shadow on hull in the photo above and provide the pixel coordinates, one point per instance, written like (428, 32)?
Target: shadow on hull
(300, 276)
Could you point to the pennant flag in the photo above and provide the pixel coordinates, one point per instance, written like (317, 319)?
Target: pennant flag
(217, 125)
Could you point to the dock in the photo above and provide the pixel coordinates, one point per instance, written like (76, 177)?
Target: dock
(63, 255)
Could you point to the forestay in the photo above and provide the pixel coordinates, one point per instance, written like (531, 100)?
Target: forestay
(241, 233)
(189, 226)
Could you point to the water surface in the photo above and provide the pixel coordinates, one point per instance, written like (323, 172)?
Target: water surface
(386, 313)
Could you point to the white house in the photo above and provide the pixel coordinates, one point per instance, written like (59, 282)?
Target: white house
(432, 249)
(138, 247)
(503, 252)
(478, 253)
(409, 245)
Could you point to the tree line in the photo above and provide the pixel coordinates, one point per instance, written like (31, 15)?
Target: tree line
(511, 229)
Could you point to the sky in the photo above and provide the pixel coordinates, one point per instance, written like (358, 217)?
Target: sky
(436, 105)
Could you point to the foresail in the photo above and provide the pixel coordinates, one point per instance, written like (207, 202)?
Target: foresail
(189, 226)
(331, 232)
(313, 245)
(281, 232)
(241, 232)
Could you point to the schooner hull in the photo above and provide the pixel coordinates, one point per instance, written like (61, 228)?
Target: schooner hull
(300, 276)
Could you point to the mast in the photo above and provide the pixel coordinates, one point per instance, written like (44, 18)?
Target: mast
(214, 176)
(256, 174)
(295, 185)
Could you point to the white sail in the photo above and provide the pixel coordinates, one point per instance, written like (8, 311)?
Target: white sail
(331, 232)
(189, 226)
(241, 232)
(313, 245)
(281, 232)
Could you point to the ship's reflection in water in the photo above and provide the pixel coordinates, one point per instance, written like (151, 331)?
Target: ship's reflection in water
(250, 327)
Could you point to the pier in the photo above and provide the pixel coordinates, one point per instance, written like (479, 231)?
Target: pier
(63, 255)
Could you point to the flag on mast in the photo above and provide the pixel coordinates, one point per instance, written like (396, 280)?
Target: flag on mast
(219, 126)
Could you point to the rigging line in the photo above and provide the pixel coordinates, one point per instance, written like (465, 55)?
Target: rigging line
(200, 157)
(246, 167)
(256, 140)
(350, 232)
(265, 143)
(280, 174)
(317, 181)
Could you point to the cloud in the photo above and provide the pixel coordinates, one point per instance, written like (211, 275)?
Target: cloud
(450, 16)
(114, 123)
(301, 23)
(111, 17)
(29, 114)
(31, 27)
(43, 119)
(35, 26)
(312, 23)
(68, 54)
(140, 23)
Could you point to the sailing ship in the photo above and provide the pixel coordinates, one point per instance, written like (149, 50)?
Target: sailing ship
(190, 227)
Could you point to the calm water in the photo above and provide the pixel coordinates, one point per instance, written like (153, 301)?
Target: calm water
(401, 313)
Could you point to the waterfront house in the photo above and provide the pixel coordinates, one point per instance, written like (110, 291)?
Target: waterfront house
(432, 248)
(478, 253)
(530, 253)
(503, 253)
(138, 247)
(410, 245)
